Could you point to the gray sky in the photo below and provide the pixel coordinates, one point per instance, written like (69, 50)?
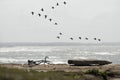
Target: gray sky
(85, 18)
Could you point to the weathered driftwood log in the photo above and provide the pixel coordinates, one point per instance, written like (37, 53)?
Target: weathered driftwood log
(32, 62)
(88, 62)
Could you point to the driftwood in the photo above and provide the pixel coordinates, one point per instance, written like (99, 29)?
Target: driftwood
(32, 62)
(86, 62)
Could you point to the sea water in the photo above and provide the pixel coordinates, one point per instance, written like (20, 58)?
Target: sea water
(58, 54)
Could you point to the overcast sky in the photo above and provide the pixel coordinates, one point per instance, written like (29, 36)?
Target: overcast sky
(85, 18)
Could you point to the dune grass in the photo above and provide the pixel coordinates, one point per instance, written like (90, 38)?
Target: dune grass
(20, 74)
(96, 72)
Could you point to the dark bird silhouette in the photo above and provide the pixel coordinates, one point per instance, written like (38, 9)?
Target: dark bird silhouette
(39, 14)
(57, 4)
(64, 2)
(53, 7)
(58, 37)
(42, 9)
(95, 38)
(80, 38)
(86, 38)
(50, 19)
(32, 13)
(99, 39)
(60, 33)
(45, 16)
(56, 23)
(71, 38)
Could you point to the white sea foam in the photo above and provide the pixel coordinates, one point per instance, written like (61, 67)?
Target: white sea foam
(103, 53)
(24, 61)
(86, 52)
(80, 57)
(8, 60)
(58, 62)
(30, 49)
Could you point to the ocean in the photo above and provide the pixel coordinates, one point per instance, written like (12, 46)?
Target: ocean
(58, 53)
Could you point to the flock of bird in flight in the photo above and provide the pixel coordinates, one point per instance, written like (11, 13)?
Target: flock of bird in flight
(55, 23)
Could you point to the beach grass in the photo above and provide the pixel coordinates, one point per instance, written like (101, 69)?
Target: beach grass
(96, 72)
(23, 74)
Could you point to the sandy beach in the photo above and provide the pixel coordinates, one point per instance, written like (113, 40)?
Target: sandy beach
(63, 67)
(114, 68)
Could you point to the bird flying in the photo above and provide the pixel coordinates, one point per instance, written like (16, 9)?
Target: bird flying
(45, 16)
(80, 38)
(95, 38)
(64, 2)
(58, 37)
(39, 14)
(71, 38)
(50, 19)
(42, 9)
(56, 23)
(32, 13)
(99, 39)
(86, 38)
(53, 7)
(60, 33)
(57, 4)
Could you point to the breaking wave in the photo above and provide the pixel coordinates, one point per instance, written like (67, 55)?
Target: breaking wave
(26, 49)
(103, 53)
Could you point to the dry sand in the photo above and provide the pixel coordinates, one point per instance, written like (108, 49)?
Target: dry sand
(64, 67)
(114, 68)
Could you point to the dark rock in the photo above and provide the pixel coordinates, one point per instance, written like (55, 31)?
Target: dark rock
(87, 62)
